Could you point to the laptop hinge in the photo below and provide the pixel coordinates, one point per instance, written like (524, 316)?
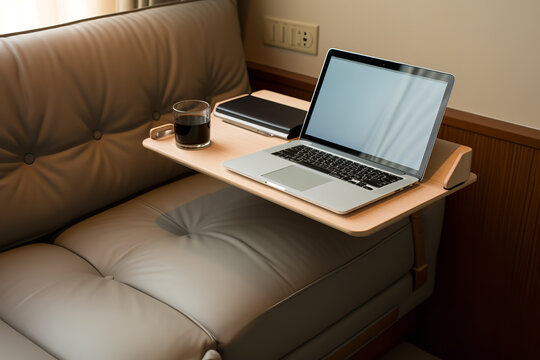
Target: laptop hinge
(420, 268)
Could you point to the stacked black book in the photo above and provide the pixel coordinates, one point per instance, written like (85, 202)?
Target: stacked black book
(262, 116)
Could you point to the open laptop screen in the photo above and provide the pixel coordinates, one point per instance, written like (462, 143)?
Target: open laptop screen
(382, 111)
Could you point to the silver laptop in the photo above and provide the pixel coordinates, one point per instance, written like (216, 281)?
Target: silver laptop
(368, 133)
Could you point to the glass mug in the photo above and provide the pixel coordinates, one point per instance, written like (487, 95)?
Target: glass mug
(192, 124)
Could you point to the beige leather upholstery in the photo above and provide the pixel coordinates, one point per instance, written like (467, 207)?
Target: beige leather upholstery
(16, 346)
(65, 306)
(77, 101)
(256, 277)
(229, 259)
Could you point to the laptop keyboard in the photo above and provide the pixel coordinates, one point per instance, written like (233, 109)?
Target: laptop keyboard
(353, 172)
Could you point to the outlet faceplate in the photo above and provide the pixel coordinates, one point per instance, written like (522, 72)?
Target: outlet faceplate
(292, 35)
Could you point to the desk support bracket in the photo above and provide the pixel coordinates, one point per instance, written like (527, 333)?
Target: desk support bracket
(420, 268)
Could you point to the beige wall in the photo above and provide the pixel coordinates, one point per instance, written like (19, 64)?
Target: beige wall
(491, 46)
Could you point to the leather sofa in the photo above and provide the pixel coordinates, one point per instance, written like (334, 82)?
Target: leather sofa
(113, 252)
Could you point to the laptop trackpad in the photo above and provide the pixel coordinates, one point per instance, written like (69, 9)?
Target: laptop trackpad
(296, 178)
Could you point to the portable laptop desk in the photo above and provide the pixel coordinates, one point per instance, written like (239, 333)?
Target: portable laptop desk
(449, 165)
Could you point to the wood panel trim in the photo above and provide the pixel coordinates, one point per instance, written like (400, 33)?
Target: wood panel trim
(277, 79)
(365, 336)
(492, 127)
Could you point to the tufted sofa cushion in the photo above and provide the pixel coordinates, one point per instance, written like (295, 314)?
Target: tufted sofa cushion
(197, 265)
(259, 278)
(77, 100)
(66, 307)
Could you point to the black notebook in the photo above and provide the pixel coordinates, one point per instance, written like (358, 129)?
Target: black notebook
(262, 116)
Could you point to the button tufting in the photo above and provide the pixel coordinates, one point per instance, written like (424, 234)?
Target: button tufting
(29, 158)
(97, 134)
(156, 115)
(108, 277)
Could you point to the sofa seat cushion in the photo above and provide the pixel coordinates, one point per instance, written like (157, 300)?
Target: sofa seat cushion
(258, 277)
(61, 303)
(16, 346)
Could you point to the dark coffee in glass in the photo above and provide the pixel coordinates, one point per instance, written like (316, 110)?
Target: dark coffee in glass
(192, 124)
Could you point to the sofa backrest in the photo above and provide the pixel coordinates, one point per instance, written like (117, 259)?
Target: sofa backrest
(77, 100)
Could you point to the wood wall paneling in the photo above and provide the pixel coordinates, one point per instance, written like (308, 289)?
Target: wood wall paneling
(486, 302)
(488, 282)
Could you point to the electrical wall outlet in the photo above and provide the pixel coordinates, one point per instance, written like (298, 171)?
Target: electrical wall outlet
(292, 35)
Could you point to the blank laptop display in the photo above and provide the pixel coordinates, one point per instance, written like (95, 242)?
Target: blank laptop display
(378, 116)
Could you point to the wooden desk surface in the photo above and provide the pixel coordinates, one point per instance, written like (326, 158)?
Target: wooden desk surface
(229, 141)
